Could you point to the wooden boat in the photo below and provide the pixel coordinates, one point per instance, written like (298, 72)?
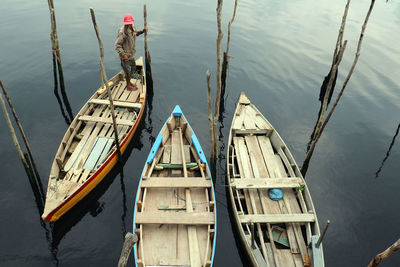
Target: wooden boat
(175, 212)
(260, 166)
(88, 151)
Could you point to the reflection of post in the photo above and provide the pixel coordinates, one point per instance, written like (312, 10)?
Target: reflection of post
(105, 83)
(388, 152)
(56, 55)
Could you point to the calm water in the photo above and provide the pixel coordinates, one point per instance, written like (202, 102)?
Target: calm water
(281, 51)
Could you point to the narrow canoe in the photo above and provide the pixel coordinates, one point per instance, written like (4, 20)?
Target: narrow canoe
(175, 212)
(260, 168)
(88, 151)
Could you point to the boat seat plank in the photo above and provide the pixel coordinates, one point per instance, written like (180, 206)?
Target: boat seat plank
(263, 183)
(176, 155)
(276, 218)
(249, 123)
(82, 143)
(97, 149)
(187, 218)
(176, 182)
(134, 94)
(166, 158)
(116, 103)
(251, 131)
(238, 119)
(105, 120)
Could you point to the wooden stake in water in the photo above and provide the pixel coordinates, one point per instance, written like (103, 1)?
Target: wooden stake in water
(210, 120)
(319, 132)
(15, 140)
(28, 147)
(56, 55)
(385, 254)
(130, 240)
(149, 76)
(105, 83)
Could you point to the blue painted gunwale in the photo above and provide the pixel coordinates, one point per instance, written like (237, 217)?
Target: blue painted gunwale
(149, 160)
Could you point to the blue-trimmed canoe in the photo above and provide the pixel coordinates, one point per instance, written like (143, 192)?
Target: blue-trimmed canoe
(175, 212)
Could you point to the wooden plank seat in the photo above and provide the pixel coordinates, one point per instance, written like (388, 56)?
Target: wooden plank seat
(276, 218)
(185, 218)
(252, 131)
(176, 183)
(260, 183)
(122, 104)
(105, 120)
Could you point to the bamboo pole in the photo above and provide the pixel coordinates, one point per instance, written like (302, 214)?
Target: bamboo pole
(57, 55)
(357, 55)
(130, 240)
(15, 140)
(28, 148)
(385, 254)
(210, 119)
(105, 83)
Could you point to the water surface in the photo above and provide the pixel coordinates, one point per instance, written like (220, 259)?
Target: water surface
(281, 51)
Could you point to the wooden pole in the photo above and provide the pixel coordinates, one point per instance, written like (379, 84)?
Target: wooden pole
(385, 254)
(105, 83)
(225, 63)
(210, 119)
(147, 57)
(323, 234)
(219, 38)
(15, 140)
(23, 136)
(130, 240)
(318, 134)
(56, 53)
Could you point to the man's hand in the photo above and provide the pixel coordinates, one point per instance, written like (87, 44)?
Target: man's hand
(145, 29)
(125, 57)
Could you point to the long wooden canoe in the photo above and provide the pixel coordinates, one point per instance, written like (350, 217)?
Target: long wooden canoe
(88, 151)
(279, 232)
(175, 212)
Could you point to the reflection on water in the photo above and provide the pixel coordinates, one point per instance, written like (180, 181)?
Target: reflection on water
(388, 152)
(65, 97)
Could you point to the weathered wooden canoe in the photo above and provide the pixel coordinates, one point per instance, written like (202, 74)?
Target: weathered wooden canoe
(88, 151)
(175, 212)
(260, 167)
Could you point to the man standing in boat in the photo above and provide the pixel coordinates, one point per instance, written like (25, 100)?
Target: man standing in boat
(126, 48)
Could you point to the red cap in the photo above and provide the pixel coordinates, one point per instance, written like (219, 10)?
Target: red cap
(128, 19)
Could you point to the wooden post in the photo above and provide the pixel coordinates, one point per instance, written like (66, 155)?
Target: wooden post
(105, 83)
(225, 63)
(130, 240)
(56, 54)
(23, 137)
(15, 140)
(219, 38)
(306, 161)
(149, 75)
(385, 254)
(323, 234)
(210, 119)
